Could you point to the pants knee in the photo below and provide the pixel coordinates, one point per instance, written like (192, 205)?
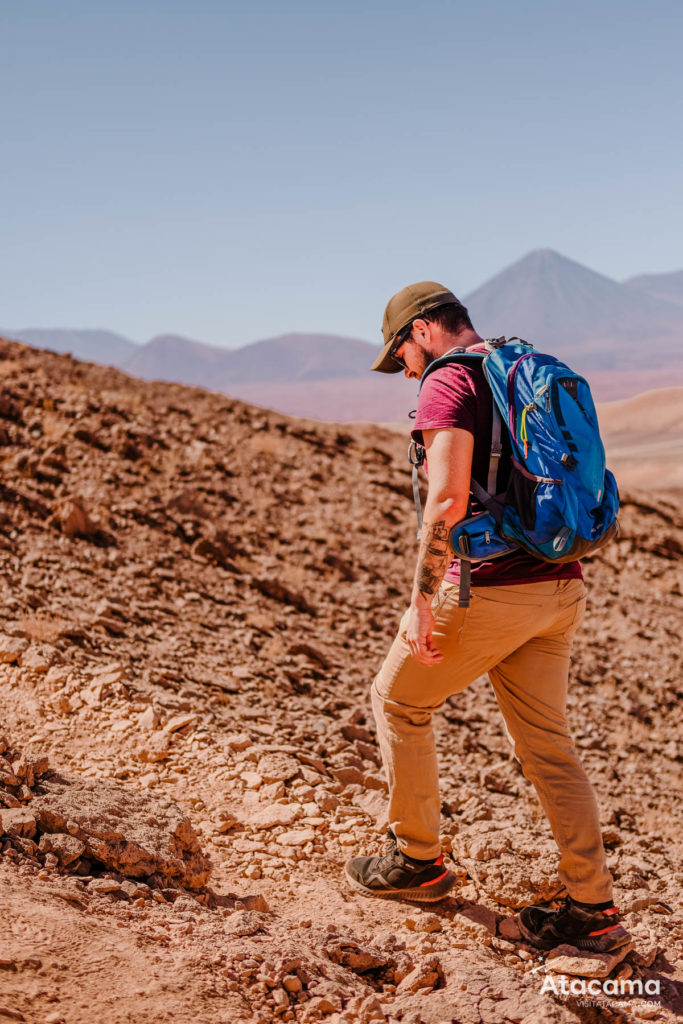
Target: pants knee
(391, 710)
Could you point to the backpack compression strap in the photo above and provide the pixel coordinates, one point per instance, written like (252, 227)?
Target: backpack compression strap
(496, 450)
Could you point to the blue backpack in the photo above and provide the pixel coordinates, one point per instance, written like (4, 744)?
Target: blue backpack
(560, 502)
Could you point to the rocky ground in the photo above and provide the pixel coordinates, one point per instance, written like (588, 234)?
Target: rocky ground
(196, 596)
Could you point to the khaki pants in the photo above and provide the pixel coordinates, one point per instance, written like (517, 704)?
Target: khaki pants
(521, 636)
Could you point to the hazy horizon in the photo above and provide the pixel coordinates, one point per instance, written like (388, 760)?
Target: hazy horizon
(38, 329)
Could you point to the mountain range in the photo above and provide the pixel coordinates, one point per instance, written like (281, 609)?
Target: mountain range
(628, 337)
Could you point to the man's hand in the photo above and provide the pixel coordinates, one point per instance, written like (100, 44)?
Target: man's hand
(419, 635)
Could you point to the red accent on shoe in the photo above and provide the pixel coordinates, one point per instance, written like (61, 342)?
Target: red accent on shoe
(435, 880)
(439, 861)
(612, 910)
(603, 930)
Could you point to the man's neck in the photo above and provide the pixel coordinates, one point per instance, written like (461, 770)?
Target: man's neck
(467, 338)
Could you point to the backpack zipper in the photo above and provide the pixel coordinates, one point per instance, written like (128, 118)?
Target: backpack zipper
(512, 416)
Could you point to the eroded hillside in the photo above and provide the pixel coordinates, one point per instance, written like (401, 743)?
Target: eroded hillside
(196, 596)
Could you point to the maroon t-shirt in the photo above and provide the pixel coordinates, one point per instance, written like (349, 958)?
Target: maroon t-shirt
(459, 396)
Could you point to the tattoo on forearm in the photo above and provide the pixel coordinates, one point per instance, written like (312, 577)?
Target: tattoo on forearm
(433, 559)
(437, 539)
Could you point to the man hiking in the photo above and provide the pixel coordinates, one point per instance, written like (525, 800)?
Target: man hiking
(518, 628)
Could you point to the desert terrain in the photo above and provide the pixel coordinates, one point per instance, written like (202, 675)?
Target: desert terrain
(644, 439)
(196, 596)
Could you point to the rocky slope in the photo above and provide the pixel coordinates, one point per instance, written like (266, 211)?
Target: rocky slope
(196, 595)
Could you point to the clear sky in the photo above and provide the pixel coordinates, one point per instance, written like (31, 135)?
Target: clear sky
(231, 171)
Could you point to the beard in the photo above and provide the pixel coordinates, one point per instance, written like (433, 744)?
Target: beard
(428, 358)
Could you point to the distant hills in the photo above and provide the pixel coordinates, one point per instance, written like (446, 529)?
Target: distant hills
(627, 336)
(287, 358)
(322, 376)
(95, 346)
(662, 286)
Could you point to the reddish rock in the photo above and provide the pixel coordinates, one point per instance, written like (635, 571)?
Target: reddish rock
(18, 821)
(136, 834)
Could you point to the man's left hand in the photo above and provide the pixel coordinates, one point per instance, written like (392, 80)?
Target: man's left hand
(419, 635)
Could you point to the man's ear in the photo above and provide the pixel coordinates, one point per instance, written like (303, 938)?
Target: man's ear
(421, 331)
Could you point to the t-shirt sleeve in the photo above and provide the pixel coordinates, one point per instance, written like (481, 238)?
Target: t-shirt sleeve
(447, 399)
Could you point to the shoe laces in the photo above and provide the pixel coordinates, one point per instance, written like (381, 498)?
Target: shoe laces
(391, 852)
(568, 905)
(565, 908)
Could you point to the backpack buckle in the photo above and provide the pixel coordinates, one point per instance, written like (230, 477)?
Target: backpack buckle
(416, 454)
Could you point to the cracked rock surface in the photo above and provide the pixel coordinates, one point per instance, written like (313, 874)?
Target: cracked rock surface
(196, 595)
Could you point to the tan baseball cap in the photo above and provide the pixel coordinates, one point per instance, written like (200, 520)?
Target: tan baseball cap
(404, 307)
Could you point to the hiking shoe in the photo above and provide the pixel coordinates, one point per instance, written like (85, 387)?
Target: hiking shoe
(395, 876)
(594, 928)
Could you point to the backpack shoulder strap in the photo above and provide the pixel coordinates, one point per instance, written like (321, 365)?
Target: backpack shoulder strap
(461, 356)
(416, 457)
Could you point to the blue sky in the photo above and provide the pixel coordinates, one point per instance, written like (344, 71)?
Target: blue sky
(232, 171)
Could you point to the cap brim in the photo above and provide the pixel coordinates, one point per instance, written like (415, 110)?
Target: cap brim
(385, 362)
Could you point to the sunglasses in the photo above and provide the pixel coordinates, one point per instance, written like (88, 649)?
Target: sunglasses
(400, 338)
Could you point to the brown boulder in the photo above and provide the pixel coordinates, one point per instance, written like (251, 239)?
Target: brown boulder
(357, 958)
(67, 848)
(73, 518)
(18, 822)
(136, 834)
(11, 648)
(427, 975)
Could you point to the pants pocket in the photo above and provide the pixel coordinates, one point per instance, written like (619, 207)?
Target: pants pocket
(579, 610)
(449, 621)
(442, 596)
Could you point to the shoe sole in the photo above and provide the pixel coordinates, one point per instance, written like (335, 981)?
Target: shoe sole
(428, 894)
(618, 938)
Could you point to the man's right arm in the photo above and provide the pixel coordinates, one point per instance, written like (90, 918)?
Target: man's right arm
(449, 454)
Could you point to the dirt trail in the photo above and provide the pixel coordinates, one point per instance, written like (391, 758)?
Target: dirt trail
(196, 595)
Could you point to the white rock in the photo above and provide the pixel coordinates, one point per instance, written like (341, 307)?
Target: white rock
(252, 780)
(276, 814)
(280, 998)
(568, 960)
(149, 719)
(277, 767)
(179, 722)
(109, 674)
(297, 837)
